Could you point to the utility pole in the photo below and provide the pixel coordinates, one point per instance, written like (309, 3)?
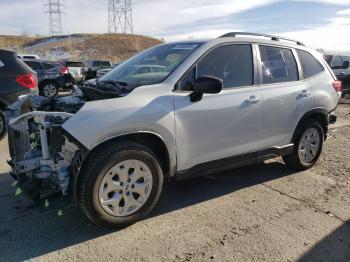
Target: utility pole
(120, 17)
(55, 17)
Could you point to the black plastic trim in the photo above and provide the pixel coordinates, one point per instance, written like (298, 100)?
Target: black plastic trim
(232, 162)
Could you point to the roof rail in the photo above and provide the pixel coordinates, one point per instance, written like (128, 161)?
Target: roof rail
(272, 37)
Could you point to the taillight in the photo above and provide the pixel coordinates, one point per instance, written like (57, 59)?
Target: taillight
(63, 70)
(337, 86)
(28, 80)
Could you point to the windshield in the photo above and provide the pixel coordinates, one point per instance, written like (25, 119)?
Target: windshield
(105, 63)
(151, 66)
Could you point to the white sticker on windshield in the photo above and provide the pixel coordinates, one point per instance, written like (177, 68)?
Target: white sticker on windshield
(185, 46)
(1, 64)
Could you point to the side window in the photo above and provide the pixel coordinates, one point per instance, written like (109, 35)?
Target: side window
(278, 65)
(336, 62)
(34, 65)
(345, 58)
(48, 66)
(232, 63)
(309, 64)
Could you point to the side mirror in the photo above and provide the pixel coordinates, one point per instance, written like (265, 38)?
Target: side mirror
(205, 85)
(346, 64)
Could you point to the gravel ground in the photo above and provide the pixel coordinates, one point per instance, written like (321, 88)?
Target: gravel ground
(264, 212)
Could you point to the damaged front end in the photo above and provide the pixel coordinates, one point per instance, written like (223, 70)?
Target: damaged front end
(43, 156)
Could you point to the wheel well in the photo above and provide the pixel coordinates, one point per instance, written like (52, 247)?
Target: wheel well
(2, 105)
(41, 84)
(320, 117)
(323, 120)
(152, 142)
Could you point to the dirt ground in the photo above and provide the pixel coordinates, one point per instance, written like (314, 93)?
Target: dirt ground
(264, 212)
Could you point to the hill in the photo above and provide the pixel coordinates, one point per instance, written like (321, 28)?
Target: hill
(113, 47)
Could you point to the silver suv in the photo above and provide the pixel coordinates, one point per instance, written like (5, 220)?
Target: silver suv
(208, 106)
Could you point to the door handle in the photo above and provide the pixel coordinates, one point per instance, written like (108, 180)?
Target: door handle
(253, 100)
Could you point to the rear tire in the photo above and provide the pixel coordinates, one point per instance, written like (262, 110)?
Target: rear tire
(308, 143)
(111, 180)
(48, 89)
(2, 124)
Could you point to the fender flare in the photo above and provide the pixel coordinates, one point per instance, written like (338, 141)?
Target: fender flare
(316, 111)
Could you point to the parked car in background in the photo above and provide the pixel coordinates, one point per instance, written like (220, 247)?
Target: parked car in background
(53, 77)
(104, 71)
(94, 65)
(213, 106)
(340, 64)
(23, 56)
(16, 79)
(77, 69)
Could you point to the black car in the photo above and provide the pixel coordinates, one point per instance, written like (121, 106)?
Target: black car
(340, 65)
(94, 65)
(16, 78)
(52, 77)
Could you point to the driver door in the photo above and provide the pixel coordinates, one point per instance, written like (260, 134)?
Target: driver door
(220, 127)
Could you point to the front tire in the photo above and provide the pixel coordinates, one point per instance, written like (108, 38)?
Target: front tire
(308, 143)
(120, 184)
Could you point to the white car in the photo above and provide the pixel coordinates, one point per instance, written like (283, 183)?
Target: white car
(28, 56)
(77, 69)
(209, 106)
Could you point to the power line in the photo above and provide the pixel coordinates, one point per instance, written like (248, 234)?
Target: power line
(55, 17)
(120, 17)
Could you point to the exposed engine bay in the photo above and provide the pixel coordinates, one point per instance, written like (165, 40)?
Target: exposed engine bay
(44, 158)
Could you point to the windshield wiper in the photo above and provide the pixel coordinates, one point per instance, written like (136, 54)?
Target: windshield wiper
(114, 82)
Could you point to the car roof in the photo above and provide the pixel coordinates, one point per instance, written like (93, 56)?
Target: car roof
(5, 52)
(39, 61)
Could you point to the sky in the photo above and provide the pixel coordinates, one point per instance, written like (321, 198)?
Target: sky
(318, 23)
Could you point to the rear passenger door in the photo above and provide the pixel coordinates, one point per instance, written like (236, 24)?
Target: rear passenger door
(285, 98)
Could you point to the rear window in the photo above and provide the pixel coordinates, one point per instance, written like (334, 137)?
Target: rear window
(48, 66)
(34, 65)
(29, 57)
(105, 63)
(309, 64)
(75, 64)
(278, 65)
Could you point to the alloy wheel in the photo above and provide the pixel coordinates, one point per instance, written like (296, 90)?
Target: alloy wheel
(50, 90)
(125, 188)
(309, 145)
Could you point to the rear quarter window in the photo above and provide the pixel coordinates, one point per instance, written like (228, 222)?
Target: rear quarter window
(310, 65)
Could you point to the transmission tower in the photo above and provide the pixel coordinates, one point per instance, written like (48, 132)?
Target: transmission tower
(120, 17)
(55, 17)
